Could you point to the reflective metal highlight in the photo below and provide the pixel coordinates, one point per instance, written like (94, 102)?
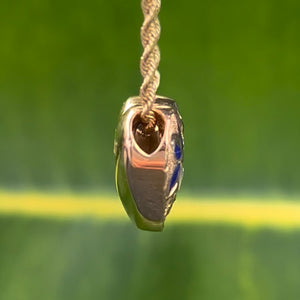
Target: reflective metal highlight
(149, 166)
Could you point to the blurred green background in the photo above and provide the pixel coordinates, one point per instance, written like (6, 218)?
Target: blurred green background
(65, 69)
(233, 67)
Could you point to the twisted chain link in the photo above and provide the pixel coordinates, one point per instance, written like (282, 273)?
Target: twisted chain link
(150, 33)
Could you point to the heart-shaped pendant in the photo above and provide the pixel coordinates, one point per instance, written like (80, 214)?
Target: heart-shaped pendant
(149, 161)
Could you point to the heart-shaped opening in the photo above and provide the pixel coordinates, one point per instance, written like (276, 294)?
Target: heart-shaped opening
(148, 138)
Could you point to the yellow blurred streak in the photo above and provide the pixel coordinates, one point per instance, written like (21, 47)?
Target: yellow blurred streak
(60, 205)
(243, 211)
(250, 212)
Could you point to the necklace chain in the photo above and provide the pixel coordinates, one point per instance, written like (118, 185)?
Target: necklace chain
(150, 33)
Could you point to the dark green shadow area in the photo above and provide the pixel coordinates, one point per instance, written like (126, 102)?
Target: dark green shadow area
(81, 259)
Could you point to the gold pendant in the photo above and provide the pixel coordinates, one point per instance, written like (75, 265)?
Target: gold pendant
(149, 139)
(149, 162)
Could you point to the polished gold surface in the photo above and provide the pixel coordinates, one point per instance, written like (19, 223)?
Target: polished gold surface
(149, 170)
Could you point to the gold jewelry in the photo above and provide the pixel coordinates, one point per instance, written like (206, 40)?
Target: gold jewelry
(149, 139)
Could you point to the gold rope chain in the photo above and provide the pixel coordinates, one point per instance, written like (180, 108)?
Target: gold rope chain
(150, 33)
